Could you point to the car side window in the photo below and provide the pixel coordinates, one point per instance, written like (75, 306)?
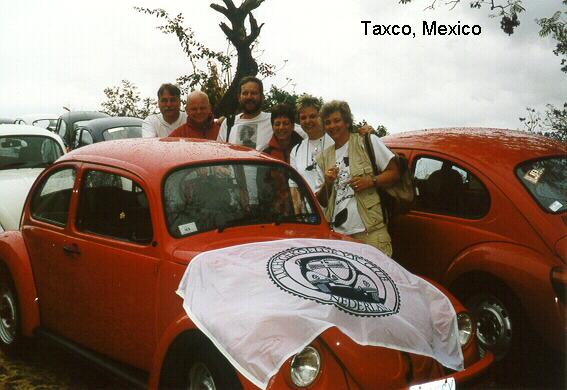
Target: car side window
(446, 188)
(50, 202)
(83, 137)
(62, 129)
(114, 206)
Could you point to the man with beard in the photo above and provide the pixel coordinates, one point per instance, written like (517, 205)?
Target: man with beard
(170, 117)
(252, 122)
(200, 121)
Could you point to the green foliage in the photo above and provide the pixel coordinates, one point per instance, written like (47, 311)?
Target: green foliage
(553, 121)
(380, 130)
(506, 10)
(201, 58)
(278, 96)
(125, 100)
(550, 123)
(556, 27)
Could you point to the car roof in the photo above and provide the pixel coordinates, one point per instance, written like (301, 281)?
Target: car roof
(487, 147)
(156, 156)
(35, 117)
(74, 116)
(101, 124)
(12, 129)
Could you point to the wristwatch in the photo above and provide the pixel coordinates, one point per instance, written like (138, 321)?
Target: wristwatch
(375, 181)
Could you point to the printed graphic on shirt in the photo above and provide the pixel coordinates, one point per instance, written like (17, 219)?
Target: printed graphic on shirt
(343, 189)
(248, 135)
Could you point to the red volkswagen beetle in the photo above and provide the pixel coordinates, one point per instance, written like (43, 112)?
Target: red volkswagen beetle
(490, 224)
(107, 234)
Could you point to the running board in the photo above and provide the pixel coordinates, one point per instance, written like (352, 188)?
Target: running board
(134, 376)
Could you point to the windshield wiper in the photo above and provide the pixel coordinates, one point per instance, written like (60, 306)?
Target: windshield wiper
(300, 217)
(13, 165)
(240, 222)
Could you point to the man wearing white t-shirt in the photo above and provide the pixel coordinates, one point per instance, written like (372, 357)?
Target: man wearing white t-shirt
(170, 116)
(253, 127)
(349, 190)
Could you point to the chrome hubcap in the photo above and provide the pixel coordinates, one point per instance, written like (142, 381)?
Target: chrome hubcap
(7, 318)
(200, 378)
(494, 326)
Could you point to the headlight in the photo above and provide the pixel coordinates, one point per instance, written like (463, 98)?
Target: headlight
(305, 367)
(466, 328)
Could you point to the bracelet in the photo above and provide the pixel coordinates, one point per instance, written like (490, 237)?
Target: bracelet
(375, 181)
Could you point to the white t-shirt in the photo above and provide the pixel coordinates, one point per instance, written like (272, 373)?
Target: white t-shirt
(345, 194)
(303, 159)
(155, 126)
(254, 133)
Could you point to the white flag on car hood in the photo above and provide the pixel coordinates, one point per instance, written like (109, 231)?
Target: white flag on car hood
(262, 303)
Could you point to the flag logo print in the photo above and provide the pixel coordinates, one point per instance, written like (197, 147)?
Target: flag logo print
(329, 276)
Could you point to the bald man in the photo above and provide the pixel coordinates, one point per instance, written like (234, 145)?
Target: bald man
(200, 120)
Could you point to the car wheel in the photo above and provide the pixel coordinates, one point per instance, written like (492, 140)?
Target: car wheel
(499, 325)
(10, 327)
(204, 369)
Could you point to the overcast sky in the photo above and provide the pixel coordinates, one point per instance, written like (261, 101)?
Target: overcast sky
(64, 53)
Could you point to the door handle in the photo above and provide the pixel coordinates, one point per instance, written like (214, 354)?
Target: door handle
(71, 249)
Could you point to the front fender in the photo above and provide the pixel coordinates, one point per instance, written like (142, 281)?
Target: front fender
(524, 271)
(14, 255)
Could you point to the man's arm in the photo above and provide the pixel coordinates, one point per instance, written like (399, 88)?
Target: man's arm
(148, 129)
(222, 132)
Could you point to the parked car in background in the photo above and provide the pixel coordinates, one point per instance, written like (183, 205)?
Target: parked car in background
(46, 121)
(6, 121)
(107, 129)
(68, 123)
(490, 224)
(107, 234)
(25, 151)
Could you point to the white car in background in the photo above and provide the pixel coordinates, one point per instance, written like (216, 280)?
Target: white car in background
(46, 121)
(25, 151)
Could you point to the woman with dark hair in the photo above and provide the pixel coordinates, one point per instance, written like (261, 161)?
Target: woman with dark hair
(349, 190)
(284, 138)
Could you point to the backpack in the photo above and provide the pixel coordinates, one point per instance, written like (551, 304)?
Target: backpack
(398, 198)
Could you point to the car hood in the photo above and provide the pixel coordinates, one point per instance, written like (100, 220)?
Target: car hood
(14, 187)
(188, 248)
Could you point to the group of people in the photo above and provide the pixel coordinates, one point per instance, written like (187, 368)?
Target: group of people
(323, 148)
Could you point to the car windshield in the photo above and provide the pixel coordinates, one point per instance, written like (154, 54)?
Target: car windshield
(28, 151)
(546, 180)
(122, 132)
(49, 124)
(220, 196)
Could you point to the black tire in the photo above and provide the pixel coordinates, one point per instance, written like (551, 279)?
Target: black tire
(500, 323)
(10, 325)
(198, 365)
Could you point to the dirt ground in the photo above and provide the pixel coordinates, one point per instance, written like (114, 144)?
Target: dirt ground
(42, 366)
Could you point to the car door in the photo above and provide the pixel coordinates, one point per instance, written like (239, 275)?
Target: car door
(113, 266)
(448, 215)
(46, 235)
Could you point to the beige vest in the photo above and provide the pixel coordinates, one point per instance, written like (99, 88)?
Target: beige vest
(368, 201)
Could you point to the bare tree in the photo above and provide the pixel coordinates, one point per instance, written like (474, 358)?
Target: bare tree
(243, 42)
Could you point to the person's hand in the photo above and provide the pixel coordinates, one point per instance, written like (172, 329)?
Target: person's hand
(361, 183)
(366, 129)
(331, 175)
